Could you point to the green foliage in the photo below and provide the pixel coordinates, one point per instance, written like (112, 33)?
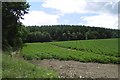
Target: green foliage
(13, 32)
(102, 51)
(72, 32)
(38, 37)
(15, 68)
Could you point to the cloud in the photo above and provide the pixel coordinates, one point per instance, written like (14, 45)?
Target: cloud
(39, 18)
(82, 6)
(85, 0)
(66, 6)
(102, 20)
(104, 0)
(105, 13)
(111, 7)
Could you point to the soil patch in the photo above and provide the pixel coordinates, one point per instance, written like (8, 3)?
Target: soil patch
(75, 69)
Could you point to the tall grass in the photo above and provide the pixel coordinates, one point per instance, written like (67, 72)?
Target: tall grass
(16, 68)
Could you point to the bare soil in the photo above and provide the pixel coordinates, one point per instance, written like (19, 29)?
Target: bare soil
(75, 69)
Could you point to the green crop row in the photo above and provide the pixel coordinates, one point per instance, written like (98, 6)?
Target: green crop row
(101, 46)
(84, 51)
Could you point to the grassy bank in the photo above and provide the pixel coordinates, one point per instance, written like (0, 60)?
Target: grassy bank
(16, 68)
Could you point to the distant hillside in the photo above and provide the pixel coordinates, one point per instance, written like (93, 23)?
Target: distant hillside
(68, 32)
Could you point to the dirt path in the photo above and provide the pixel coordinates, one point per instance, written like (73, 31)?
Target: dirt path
(70, 69)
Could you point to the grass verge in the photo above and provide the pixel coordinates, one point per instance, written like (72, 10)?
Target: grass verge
(16, 68)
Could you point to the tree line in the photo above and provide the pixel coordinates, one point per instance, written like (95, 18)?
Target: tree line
(68, 32)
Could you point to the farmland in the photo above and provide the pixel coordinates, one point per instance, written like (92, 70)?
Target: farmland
(99, 50)
(46, 44)
(104, 46)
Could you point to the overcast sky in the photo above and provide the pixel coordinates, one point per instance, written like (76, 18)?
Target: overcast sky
(98, 13)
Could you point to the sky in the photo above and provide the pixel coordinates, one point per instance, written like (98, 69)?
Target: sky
(97, 13)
